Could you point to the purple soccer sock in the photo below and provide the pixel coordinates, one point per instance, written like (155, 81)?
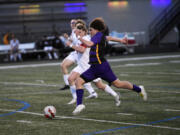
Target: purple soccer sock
(79, 93)
(136, 88)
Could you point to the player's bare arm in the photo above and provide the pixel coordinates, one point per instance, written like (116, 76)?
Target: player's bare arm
(109, 38)
(80, 49)
(87, 43)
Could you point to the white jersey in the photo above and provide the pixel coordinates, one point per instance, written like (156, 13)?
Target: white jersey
(74, 38)
(83, 58)
(73, 56)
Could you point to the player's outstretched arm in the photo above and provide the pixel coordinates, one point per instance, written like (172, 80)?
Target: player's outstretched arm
(109, 38)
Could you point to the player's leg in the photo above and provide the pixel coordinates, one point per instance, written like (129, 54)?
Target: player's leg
(87, 76)
(79, 91)
(79, 70)
(99, 84)
(127, 85)
(64, 67)
(83, 66)
(71, 79)
(91, 91)
(110, 77)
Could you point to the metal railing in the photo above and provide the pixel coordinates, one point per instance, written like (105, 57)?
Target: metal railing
(164, 21)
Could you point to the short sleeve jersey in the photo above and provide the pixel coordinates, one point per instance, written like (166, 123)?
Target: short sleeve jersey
(74, 38)
(97, 50)
(83, 58)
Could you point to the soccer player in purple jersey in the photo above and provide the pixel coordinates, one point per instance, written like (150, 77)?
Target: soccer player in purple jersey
(100, 68)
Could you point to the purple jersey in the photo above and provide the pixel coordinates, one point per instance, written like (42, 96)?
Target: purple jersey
(99, 68)
(97, 50)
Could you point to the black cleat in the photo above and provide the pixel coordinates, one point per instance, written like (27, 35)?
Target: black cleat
(65, 87)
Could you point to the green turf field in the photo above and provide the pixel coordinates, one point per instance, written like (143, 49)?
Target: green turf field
(26, 88)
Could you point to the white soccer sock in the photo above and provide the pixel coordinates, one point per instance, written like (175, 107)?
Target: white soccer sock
(66, 79)
(89, 88)
(73, 91)
(110, 91)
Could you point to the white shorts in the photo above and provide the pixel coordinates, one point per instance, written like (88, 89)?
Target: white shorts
(80, 70)
(72, 57)
(96, 80)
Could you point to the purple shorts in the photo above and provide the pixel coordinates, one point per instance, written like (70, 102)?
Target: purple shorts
(102, 71)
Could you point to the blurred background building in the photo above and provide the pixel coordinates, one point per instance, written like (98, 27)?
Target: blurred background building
(151, 22)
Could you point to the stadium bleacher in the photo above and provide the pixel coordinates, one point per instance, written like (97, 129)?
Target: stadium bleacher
(25, 48)
(129, 47)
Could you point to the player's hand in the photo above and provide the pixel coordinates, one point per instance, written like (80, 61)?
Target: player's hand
(124, 40)
(68, 43)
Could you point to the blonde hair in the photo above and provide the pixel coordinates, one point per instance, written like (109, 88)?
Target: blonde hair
(81, 27)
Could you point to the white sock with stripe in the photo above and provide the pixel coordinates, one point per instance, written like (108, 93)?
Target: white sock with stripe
(73, 91)
(110, 91)
(89, 88)
(66, 79)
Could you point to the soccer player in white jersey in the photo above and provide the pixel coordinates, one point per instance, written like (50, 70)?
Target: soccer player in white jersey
(72, 59)
(83, 59)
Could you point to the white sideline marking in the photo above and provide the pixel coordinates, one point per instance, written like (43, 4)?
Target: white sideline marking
(175, 61)
(150, 73)
(29, 66)
(136, 65)
(40, 81)
(31, 93)
(125, 114)
(174, 92)
(96, 120)
(144, 58)
(30, 84)
(172, 110)
(24, 121)
(53, 85)
(110, 60)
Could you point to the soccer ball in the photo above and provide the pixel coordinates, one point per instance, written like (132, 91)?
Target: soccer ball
(50, 112)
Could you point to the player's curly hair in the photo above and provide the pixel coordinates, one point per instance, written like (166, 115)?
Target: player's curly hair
(98, 24)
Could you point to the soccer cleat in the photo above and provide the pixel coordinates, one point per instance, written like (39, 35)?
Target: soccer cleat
(143, 93)
(73, 101)
(93, 95)
(65, 87)
(117, 99)
(78, 109)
